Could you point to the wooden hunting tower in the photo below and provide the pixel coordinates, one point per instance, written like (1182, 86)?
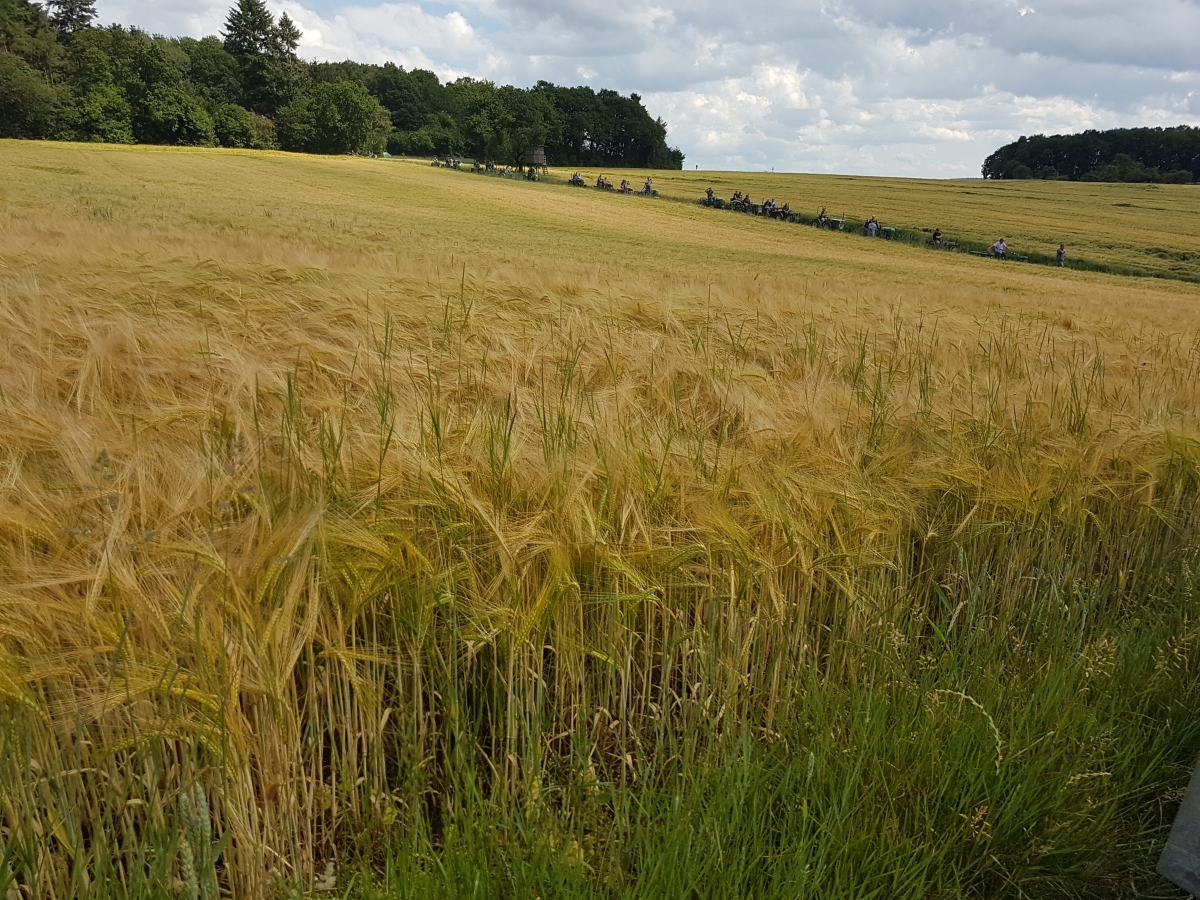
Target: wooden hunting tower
(534, 155)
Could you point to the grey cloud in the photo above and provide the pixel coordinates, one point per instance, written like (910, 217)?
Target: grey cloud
(1152, 33)
(833, 37)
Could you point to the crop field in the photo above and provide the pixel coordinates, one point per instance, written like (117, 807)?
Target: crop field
(1127, 228)
(375, 530)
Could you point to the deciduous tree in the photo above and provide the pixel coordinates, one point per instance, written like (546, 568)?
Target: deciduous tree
(341, 117)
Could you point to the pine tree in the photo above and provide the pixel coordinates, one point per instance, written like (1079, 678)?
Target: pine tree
(287, 36)
(70, 16)
(249, 29)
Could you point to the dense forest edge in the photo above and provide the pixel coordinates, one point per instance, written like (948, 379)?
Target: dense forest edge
(64, 78)
(1159, 155)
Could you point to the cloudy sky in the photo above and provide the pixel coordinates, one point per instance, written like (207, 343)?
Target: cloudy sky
(877, 87)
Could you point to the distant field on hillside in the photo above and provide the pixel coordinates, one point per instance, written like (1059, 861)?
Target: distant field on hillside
(452, 535)
(1145, 227)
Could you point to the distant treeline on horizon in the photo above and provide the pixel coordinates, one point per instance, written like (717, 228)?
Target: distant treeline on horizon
(63, 78)
(1165, 155)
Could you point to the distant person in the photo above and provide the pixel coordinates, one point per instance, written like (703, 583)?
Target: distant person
(647, 187)
(1061, 255)
(1000, 249)
(937, 237)
(872, 227)
(709, 193)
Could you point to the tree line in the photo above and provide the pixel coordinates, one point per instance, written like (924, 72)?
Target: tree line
(1170, 155)
(64, 78)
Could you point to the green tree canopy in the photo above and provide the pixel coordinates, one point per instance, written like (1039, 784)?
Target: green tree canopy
(212, 69)
(249, 29)
(338, 117)
(265, 51)
(26, 31)
(70, 16)
(130, 83)
(63, 77)
(30, 106)
(1122, 154)
(286, 37)
(234, 126)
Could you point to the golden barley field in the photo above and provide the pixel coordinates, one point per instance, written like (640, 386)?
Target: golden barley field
(371, 529)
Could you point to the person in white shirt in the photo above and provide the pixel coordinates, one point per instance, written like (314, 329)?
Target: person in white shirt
(1000, 248)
